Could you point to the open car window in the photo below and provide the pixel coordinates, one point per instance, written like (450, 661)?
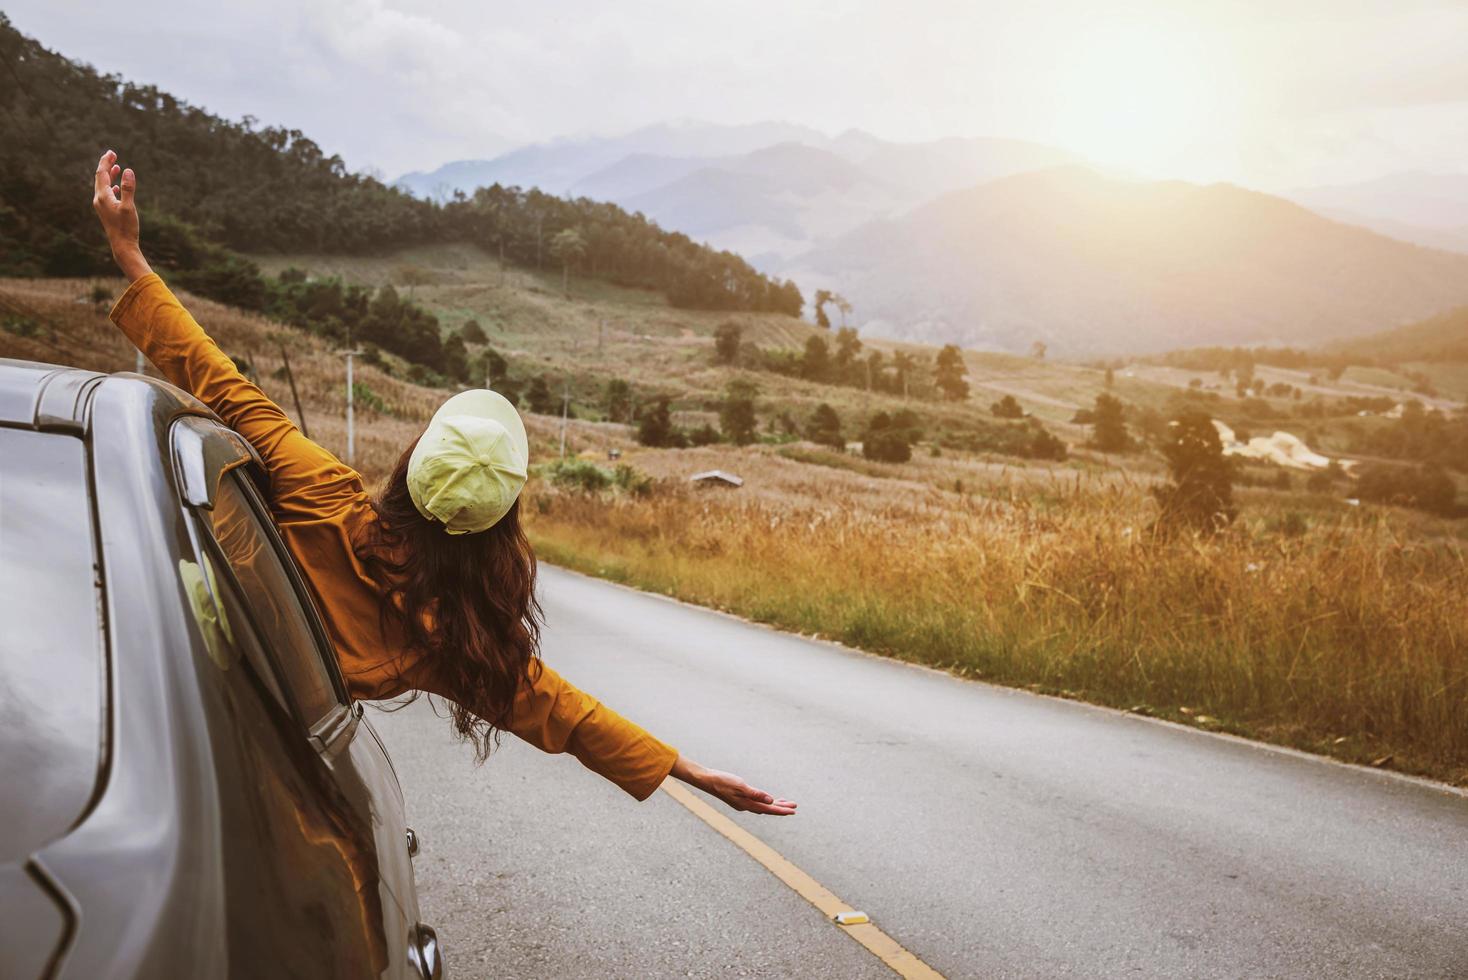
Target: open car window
(272, 605)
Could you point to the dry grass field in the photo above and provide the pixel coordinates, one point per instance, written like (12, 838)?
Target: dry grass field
(1309, 622)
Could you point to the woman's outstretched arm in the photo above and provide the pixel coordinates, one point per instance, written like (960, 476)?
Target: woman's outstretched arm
(554, 716)
(305, 479)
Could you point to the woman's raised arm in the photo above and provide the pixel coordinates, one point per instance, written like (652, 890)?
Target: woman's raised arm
(305, 479)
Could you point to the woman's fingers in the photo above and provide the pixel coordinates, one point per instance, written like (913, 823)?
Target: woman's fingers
(779, 808)
(129, 186)
(103, 184)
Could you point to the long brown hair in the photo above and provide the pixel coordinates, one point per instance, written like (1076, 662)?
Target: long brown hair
(467, 601)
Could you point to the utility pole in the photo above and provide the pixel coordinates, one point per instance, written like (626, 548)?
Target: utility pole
(565, 410)
(296, 396)
(351, 421)
(601, 327)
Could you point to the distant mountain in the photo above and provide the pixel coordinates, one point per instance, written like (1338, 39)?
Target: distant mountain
(768, 191)
(923, 170)
(554, 167)
(1091, 264)
(770, 204)
(1428, 209)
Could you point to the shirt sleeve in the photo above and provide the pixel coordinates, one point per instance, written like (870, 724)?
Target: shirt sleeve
(307, 481)
(554, 716)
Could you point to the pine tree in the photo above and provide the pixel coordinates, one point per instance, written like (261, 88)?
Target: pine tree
(737, 417)
(949, 374)
(1201, 492)
(655, 427)
(1108, 422)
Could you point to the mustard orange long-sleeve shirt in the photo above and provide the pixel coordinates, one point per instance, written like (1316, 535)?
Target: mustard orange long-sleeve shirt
(320, 506)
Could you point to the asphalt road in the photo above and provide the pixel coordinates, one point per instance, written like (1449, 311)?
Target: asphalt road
(991, 832)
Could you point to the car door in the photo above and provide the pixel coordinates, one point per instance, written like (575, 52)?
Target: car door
(336, 811)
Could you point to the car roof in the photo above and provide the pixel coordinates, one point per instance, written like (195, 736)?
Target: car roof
(35, 395)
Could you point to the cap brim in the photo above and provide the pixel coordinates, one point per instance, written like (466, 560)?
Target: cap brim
(485, 404)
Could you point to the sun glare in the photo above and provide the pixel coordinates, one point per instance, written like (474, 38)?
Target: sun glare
(1146, 101)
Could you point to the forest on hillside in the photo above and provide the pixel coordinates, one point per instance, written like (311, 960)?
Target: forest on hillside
(212, 187)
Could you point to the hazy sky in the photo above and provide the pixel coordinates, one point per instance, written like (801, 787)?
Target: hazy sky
(1272, 94)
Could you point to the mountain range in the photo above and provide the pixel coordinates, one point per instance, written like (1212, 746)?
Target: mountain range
(994, 243)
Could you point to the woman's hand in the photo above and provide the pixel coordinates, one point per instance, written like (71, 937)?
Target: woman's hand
(728, 787)
(119, 216)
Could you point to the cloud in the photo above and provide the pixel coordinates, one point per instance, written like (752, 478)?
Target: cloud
(404, 85)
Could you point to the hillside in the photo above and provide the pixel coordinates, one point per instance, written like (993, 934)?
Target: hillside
(1428, 209)
(1090, 264)
(211, 185)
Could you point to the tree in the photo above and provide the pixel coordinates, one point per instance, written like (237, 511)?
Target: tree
(726, 342)
(1200, 495)
(655, 427)
(455, 358)
(737, 417)
(823, 296)
(848, 347)
(824, 427)
(1110, 377)
(567, 246)
(473, 333)
(902, 365)
(1038, 349)
(816, 362)
(949, 374)
(493, 369)
(884, 443)
(619, 400)
(876, 370)
(1007, 408)
(842, 305)
(1045, 444)
(541, 399)
(413, 276)
(1108, 422)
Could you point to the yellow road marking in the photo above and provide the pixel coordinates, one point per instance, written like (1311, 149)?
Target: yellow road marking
(902, 962)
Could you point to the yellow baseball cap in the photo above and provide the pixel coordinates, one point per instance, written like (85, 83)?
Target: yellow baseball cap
(470, 465)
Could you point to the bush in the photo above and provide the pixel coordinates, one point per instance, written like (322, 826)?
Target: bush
(580, 475)
(884, 442)
(1007, 408)
(365, 397)
(1426, 488)
(825, 427)
(473, 333)
(629, 479)
(704, 435)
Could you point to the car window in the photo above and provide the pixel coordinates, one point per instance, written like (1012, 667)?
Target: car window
(271, 601)
(52, 659)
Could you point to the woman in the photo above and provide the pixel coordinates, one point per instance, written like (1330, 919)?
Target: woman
(431, 586)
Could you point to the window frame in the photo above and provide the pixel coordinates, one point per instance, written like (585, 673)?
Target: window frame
(214, 452)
